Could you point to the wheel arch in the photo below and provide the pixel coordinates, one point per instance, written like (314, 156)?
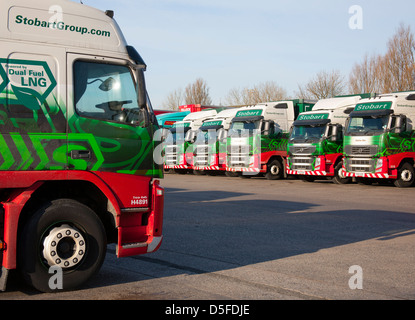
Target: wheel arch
(283, 160)
(406, 160)
(82, 191)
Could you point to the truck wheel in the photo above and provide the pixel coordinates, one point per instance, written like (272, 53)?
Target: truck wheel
(274, 170)
(406, 176)
(66, 235)
(339, 177)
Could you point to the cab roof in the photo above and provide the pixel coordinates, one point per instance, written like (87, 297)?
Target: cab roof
(337, 102)
(60, 22)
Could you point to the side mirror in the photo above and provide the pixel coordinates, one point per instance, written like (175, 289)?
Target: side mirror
(164, 133)
(190, 136)
(141, 90)
(266, 128)
(221, 135)
(334, 130)
(399, 124)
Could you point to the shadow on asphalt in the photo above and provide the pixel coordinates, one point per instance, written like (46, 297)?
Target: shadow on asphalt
(216, 226)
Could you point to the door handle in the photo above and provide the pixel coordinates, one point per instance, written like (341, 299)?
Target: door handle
(81, 154)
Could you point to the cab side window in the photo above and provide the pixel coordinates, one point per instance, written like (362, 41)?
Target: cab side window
(105, 91)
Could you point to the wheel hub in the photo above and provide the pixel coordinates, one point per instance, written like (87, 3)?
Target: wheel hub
(406, 175)
(275, 170)
(64, 246)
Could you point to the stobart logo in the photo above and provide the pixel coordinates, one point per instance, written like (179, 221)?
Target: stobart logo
(248, 113)
(211, 124)
(178, 125)
(373, 106)
(313, 116)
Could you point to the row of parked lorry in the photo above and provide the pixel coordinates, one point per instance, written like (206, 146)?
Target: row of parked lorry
(367, 137)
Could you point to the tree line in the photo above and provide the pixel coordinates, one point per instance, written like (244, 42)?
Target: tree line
(377, 73)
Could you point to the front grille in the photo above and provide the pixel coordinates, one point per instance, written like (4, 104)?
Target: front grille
(302, 149)
(170, 153)
(354, 150)
(238, 155)
(201, 156)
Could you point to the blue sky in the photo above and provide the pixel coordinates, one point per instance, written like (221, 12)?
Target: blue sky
(241, 43)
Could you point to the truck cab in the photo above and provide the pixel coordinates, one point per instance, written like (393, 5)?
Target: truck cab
(210, 147)
(76, 129)
(315, 145)
(379, 142)
(179, 142)
(257, 139)
(167, 120)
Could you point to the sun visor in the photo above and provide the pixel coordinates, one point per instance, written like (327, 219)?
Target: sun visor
(371, 113)
(314, 122)
(247, 119)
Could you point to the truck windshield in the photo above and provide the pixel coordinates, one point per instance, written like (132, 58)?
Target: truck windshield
(207, 136)
(243, 128)
(307, 133)
(368, 125)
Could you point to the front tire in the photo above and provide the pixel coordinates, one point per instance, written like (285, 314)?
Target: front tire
(64, 234)
(274, 170)
(339, 178)
(406, 176)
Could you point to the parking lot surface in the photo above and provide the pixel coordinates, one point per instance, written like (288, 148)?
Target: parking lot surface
(234, 238)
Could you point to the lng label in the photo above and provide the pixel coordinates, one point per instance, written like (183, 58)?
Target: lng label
(30, 81)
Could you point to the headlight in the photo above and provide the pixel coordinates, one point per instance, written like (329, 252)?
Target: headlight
(379, 163)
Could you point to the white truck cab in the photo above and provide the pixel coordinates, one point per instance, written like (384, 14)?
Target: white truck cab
(179, 144)
(76, 128)
(210, 149)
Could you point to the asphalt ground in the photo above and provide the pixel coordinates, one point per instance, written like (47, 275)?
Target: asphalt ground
(255, 239)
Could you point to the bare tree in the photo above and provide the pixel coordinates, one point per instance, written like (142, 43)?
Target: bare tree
(393, 71)
(174, 100)
(324, 85)
(197, 93)
(398, 65)
(364, 77)
(263, 92)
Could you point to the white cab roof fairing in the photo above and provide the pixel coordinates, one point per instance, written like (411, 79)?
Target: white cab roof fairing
(270, 111)
(399, 102)
(60, 22)
(200, 115)
(334, 108)
(227, 113)
(195, 119)
(334, 103)
(224, 116)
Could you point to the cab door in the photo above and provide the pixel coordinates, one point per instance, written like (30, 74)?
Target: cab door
(106, 129)
(32, 119)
